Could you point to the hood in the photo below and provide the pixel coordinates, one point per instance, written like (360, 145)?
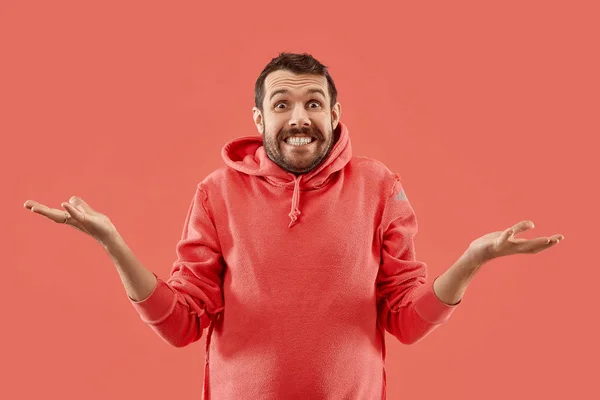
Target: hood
(247, 155)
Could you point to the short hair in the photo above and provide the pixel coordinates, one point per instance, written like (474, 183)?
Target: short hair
(299, 64)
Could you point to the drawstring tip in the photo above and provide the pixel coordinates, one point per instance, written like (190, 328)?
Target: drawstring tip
(294, 217)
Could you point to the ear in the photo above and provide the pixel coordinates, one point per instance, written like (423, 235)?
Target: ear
(336, 115)
(258, 120)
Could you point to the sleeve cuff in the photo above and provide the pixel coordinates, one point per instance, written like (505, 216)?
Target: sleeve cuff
(430, 307)
(158, 305)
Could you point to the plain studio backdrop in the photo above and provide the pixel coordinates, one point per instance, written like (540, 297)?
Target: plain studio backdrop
(488, 111)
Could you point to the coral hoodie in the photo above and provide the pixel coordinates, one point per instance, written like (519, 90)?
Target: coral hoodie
(296, 279)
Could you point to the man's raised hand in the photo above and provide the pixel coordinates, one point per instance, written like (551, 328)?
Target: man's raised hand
(79, 215)
(504, 243)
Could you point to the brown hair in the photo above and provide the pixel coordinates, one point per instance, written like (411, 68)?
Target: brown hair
(298, 64)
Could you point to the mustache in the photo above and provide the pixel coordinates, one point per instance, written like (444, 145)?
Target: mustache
(314, 132)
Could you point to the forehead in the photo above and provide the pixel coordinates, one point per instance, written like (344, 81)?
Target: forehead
(293, 82)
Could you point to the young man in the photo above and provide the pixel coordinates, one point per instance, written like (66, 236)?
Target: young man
(296, 257)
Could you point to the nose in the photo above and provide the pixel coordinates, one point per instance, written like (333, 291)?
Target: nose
(299, 118)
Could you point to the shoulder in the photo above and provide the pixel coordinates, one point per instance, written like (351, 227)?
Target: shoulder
(214, 181)
(374, 171)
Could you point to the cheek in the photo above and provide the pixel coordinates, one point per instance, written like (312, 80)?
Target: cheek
(271, 133)
(271, 127)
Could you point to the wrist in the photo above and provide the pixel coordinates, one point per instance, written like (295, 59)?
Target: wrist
(474, 259)
(469, 263)
(111, 241)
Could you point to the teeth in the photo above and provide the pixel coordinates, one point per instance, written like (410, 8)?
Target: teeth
(298, 141)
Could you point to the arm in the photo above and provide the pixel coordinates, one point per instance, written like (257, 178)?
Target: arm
(451, 286)
(180, 308)
(408, 307)
(138, 280)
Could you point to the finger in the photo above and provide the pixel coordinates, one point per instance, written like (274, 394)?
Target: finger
(80, 204)
(30, 203)
(523, 226)
(506, 235)
(517, 240)
(77, 218)
(55, 215)
(546, 246)
(554, 238)
(527, 245)
(536, 245)
(74, 212)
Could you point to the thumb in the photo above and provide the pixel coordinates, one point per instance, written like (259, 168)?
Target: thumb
(80, 204)
(507, 234)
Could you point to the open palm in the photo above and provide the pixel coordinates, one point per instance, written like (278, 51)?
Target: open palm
(504, 243)
(79, 215)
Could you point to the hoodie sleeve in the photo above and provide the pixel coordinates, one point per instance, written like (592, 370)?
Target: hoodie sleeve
(408, 308)
(179, 309)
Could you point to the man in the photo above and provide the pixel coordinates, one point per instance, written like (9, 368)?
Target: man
(296, 257)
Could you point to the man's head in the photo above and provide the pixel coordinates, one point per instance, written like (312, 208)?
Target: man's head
(295, 97)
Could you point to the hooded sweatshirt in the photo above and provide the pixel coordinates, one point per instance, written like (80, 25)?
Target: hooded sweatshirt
(295, 279)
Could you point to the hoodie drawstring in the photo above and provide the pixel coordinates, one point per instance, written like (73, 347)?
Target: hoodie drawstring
(294, 212)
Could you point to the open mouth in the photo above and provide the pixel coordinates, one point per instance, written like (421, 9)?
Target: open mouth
(299, 141)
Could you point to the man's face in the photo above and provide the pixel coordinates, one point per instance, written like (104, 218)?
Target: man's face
(297, 106)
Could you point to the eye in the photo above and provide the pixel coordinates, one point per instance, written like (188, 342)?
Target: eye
(310, 104)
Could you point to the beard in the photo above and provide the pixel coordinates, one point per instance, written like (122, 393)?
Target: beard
(301, 162)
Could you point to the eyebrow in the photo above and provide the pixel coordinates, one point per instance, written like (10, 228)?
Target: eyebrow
(308, 91)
